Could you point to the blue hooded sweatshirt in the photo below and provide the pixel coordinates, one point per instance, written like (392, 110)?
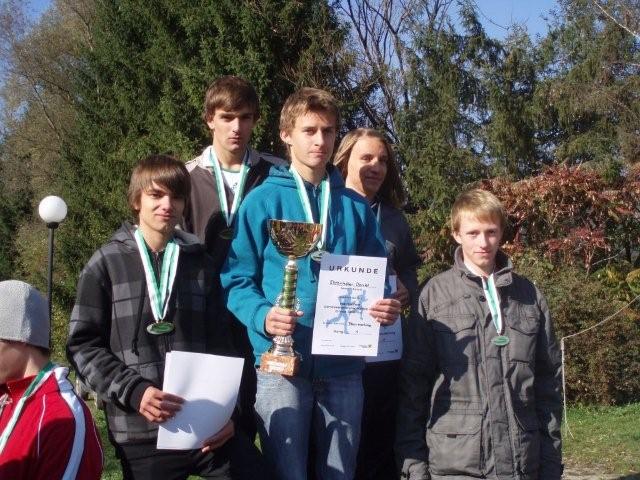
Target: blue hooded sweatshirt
(252, 276)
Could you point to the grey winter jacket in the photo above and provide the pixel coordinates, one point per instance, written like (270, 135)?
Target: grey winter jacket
(469, 408)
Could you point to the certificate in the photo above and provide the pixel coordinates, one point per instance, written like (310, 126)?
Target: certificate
(209, 385)
(390, 341)
(348, 285)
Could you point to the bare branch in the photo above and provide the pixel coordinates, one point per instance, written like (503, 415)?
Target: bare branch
(83, 11)
(615, 20)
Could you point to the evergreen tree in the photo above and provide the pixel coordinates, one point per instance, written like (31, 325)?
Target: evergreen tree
(512, 144)
(142, 83)
(440, 130)
(587, 97)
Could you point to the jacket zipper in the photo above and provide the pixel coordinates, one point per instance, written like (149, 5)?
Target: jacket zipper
(488, 394)
(510, 414)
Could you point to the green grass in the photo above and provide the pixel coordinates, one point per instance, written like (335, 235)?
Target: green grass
(606, 440)
(111, 463)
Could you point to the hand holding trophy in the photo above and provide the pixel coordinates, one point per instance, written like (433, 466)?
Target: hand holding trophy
(294, 240)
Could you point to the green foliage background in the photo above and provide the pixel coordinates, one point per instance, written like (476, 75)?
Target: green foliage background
(98, 84)
(602, 366)
(141, 87)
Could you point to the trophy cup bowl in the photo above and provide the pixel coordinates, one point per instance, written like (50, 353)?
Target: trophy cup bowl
(293, 240)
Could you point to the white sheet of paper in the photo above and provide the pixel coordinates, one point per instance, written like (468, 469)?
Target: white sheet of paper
(348, 285)
(390, 340)
(209, 384)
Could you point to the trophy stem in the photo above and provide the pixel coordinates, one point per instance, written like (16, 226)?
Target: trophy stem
(283, 344)
(289, 284)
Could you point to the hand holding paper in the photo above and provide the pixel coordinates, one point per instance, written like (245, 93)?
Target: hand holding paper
(158, 406)
(209, 385)
(220, 438)
(386, 311)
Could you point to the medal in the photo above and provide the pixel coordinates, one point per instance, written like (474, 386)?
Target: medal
(317, 255)
(159, 294)
(160, 328)
(226, 233)
(325, 199)
(493, 299)
(229, 214)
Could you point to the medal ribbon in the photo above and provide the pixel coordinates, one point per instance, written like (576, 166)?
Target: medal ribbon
(159, 295)
(325, 197)
(493, 299)
(222, 196)
(379, 214)
(37, 382)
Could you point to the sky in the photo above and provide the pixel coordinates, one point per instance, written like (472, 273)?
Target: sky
(497, 15)
(37, 7)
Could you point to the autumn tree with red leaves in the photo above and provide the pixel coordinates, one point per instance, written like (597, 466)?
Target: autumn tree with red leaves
(572, 214)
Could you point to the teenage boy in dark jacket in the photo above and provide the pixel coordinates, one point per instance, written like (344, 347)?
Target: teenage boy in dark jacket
(480, 376)
(151, 289)
(221, 177)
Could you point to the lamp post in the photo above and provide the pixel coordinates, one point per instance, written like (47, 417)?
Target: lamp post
(53, 211)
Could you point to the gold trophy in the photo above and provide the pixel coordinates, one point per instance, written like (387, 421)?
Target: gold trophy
(294, 240)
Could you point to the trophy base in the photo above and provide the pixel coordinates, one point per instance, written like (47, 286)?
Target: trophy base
(280, 364)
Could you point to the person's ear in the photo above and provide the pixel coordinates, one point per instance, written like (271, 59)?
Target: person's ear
(457, 237)
(285, 137)
(210, 123)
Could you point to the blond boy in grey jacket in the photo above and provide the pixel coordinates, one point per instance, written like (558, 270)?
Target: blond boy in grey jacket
(480, 376)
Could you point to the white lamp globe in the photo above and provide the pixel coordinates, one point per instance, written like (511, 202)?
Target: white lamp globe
(52, 209)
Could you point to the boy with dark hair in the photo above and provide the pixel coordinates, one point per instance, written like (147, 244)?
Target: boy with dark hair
(151, 289)
(46, 431)
(480, 376)
(325, 397)
(221, 177)
(227, 169)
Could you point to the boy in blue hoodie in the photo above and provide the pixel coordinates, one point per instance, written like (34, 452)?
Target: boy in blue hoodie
(325, 397)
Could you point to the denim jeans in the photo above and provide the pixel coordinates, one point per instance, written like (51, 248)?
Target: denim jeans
(290, 408)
